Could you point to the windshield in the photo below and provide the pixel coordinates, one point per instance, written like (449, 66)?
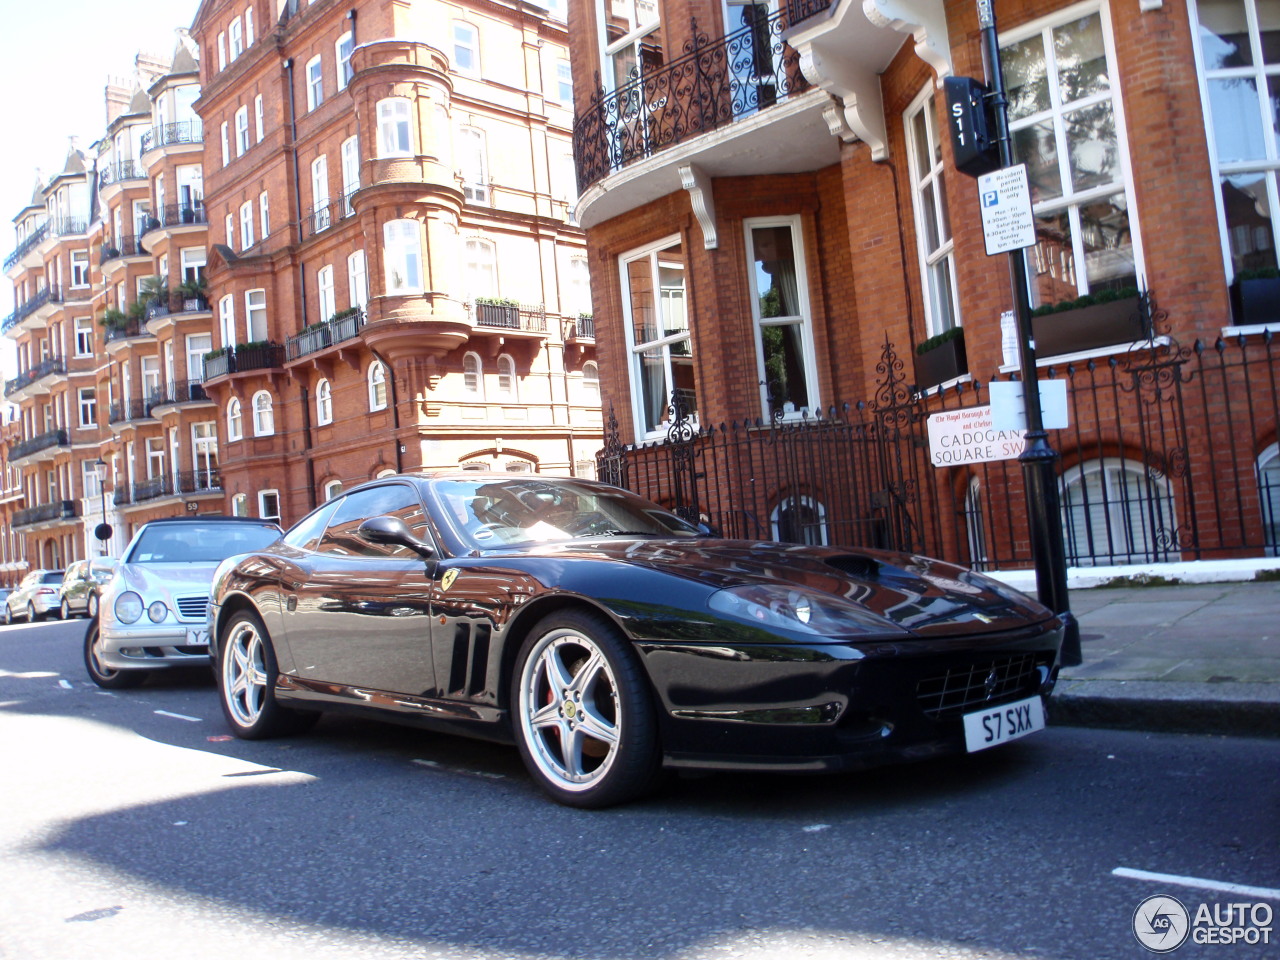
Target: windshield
(200, 542)
(55, 577)
(488, 513)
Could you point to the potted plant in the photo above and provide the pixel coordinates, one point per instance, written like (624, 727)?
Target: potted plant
(940, 358)
(113, 319)
(1255, 297)
(498, 312)
(192, 291)
(1104, 319)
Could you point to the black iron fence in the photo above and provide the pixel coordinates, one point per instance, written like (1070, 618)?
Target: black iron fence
(511, 316)
(323, 335)
(45, 368)
(1169, 454)
(119, 172)
(185, 483)
(241, 358)
(127, 245)
(27, 245)
(43, 441)
(45, 512)
(184, 131)
(712, 83)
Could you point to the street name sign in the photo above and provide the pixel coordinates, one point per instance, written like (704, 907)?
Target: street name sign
(967, 435)
(1004, 197)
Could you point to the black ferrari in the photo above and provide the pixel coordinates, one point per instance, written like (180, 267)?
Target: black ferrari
(610, 639)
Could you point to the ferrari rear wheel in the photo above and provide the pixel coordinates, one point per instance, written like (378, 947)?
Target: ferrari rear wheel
(247, 674)
(584, 716)
(104, 676)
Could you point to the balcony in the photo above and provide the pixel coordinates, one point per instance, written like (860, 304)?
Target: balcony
(161, 313)
(118, 334)
(45, 368)
(170, 134)
(46, 512)
(67, 227)
(47, 443)
(185, 484)
(326, 214)
(242, 358)
(31, 241)
(133, 411)
(324, 335)
(126, 246)
(40, 306)
(584, 328)
(175, 215)
(511, 316)
(178, 393)
(121, 172)
(801, 10)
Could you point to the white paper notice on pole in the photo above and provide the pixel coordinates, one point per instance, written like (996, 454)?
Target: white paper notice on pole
(1009, 410)
(967, 436)
(1004, 197)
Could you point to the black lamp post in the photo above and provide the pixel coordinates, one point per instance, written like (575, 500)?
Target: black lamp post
(103, 530)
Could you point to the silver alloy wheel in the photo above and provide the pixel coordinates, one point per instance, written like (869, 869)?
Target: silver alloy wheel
(95, 654)
(64, 611)
(244, 674)
(570, 712)
(91, 608)
(31, 612)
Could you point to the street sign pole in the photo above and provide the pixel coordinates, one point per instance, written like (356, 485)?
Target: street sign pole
(1038, 459)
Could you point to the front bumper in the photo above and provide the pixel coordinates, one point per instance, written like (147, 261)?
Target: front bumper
(820, 707)
(154, 647)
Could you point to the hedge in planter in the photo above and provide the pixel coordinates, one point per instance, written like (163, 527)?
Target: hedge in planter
(1089, 323)
(940, 359)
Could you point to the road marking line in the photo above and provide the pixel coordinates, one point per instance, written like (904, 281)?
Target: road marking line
(1268, 893)
(65, 684)
(177, 716)
(435, 765)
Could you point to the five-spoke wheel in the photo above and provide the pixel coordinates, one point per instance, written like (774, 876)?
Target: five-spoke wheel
(246, 680)
(584, 718)
(99, 673)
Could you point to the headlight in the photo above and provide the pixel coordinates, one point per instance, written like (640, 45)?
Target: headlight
(157, 611)
(798, 609)
(128, 607)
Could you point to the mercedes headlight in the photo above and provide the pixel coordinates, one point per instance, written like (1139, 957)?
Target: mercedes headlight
(128, 607)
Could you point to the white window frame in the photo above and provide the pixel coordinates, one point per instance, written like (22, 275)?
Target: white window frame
(257, 117)
(324, 402)
(264, 214)
(226, 143)
(941, 307)
(84, 336)
(227, 320)
(378, 387)
(591, 383)
(507, 378)
(222, 50)
(324, 291)
(235, 40)
(320, 193)
(332, 489)
(1119, 513)
(471, 149)
(473, 376)
(1070, 200)
(242, 131)
(395, 127)
(806, 502)
(313, 77)
(466, 45)
(255, 315)
(357, 279)
(235, 420)
(79, 260)
(564, 82)
(350, 159)
(246, 225)
(87, 401)
(402, 256)
(631, 40)
(269, 505)
(480, 268)
(803, 319)
(264, 416)
(343, 60)
(248, 27)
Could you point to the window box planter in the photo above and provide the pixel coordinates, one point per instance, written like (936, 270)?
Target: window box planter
(1089, 328)
(1255, 300)
(498, 315)
(942, 361)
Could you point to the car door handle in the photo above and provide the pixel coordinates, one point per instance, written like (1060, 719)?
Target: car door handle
(291, 603)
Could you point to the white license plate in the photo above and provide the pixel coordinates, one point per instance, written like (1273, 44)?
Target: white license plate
(197, 638)
(987, 728)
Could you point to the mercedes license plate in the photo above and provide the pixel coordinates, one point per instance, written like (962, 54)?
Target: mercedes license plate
(987, 728)
(197, 638)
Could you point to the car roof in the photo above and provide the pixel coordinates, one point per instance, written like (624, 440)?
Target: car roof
(207, 517)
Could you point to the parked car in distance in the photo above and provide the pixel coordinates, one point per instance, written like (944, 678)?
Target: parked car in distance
(34, 598)
(610, 638)
(79, 590)
(153, 613)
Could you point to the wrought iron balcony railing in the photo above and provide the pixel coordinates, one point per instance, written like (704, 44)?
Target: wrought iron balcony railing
(800, 10)
(178, 304)
(583, 328)
(129, 329)
(324, 335)
(512, 316)
(126, 246)
(58, 510)
(51, 438)
(120, 172)
(47, 295)
(242, 357)
(185, 131)
(28, 244)
(45, 368)
(182, 391)
(130, 411)
(711, 85)
(68, 226)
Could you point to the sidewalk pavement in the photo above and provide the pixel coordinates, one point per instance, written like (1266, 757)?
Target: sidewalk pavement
(1188, 658)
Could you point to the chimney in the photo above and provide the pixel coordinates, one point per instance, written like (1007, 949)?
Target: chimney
(117, 97)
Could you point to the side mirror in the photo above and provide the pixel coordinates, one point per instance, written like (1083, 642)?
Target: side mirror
(102, 567)
(393, 532)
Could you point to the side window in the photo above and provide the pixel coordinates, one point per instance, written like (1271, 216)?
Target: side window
(305, 534)
(396, 499)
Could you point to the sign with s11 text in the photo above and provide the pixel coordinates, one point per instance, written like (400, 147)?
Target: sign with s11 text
(966, 435)
(1004, 197)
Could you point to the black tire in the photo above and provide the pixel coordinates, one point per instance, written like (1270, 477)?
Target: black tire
(6, 617)
(64, 610)
(105, 677)
(246, 674)
(91, 608)
(586, 727)
(31, 612)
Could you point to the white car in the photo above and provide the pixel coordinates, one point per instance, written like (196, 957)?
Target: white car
(154, 611)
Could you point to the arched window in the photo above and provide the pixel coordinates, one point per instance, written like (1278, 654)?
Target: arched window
(473, 161)
(227, 320)
(332, 489)
(402, 255)
(799, 519)
(473, 375)
(264, 420)
(591, 382)
(506, 377)
(394, 139)
(240, 505)
(1269, 495)
(377, 386)
(324, 403)
(1115, 511)
(235, 421)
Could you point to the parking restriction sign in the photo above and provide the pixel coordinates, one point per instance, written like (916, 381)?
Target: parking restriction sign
(1004, 197)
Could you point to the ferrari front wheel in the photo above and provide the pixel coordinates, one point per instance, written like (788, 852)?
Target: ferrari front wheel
(246, 676)
(584, 717)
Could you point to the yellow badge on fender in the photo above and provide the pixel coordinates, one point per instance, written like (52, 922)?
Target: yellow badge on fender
(450, 575)
(977, 616)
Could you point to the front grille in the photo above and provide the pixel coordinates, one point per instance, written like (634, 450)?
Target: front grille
(968, 686)
(193, 608)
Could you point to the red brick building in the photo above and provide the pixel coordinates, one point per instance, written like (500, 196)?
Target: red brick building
(396, 279)
(776, 223)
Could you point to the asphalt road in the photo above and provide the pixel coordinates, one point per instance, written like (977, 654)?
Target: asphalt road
(132, 827)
